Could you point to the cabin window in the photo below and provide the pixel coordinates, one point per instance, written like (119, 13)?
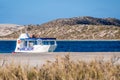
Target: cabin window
(52, 42)
(45, 42)
(31, 43)
(39, 42)
(35, 42)
(22, 44)
(25, 43)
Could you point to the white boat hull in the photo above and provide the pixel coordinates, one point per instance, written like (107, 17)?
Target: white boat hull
(37, 49)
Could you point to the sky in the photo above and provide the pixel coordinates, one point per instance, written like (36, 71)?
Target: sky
(25, 12)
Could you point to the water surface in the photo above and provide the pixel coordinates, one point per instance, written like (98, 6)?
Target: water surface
(71, 46)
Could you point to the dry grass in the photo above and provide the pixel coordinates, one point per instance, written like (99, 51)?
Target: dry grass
(63, 69)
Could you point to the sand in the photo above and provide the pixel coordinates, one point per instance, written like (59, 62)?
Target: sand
(38, 59)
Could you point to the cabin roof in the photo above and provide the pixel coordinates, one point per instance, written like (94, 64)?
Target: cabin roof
(33, 39)
(24, 35)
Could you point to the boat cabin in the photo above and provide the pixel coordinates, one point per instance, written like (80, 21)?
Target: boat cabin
(31, 42)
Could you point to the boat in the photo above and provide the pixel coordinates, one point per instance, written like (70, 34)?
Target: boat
(27, 44)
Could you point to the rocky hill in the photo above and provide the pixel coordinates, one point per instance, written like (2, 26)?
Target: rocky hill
(74, 28)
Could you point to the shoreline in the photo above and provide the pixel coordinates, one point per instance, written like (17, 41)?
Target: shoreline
(39, 59)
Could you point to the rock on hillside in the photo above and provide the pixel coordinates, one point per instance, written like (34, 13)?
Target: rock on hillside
(6, 29)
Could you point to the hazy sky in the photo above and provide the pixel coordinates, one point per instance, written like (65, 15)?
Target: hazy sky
(41, 11)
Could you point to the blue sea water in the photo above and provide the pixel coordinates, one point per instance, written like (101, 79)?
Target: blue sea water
(71, 46)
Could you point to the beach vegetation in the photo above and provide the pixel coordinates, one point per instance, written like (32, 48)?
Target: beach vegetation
(63, 68)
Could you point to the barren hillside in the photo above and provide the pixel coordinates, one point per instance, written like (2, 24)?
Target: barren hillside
(74, 28)
(6, 29)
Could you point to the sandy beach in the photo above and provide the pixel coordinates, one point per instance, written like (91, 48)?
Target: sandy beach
(39, 59)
